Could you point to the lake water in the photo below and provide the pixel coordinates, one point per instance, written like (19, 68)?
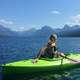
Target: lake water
(14, 49)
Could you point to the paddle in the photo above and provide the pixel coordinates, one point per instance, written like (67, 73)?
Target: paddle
(70, 58)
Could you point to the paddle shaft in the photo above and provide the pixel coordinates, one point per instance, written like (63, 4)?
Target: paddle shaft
(68, 58)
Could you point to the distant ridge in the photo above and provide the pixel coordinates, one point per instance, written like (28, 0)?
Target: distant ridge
(6, 31)
(45, 31)
(70, 31)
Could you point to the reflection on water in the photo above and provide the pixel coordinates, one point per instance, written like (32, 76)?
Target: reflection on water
(75, 74)
(67, 75)
(64, 75)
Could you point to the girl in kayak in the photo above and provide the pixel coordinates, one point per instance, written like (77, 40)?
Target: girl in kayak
(50, 50)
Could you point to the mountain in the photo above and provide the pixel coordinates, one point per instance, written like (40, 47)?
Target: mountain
(45, 31)
(66, 31)
(69, 31)
(6, 31)
(27, 33)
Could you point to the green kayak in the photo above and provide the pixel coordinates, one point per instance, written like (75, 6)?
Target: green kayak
(43, 65)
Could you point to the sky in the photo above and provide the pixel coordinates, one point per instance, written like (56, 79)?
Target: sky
(22, 15)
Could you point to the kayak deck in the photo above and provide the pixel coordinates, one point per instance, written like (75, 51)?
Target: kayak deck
(40, 63)
(26, 66)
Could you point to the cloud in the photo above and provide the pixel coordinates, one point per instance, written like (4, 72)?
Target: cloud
(5, 22)
(21, 28)
(55, 12)
(76, 18)
(73, 20)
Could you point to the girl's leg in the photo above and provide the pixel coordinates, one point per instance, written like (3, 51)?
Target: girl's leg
(62, 55)
(58, 54)
(41, 52)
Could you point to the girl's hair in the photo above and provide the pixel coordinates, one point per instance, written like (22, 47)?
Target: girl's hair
(54, 36)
